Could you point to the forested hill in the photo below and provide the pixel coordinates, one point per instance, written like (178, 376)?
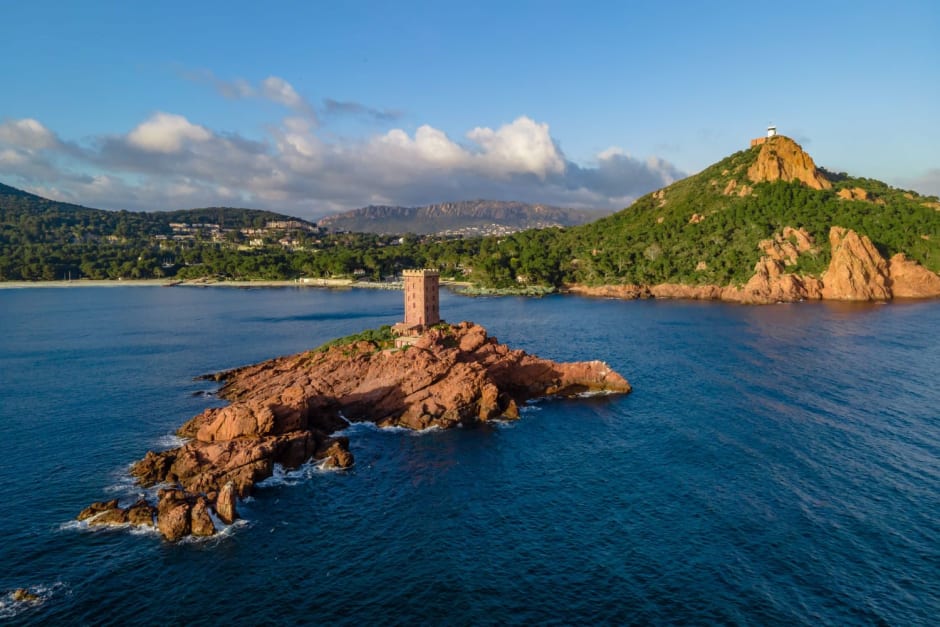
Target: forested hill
(24, 208)
(706, 229)
(471, 217)
(47, 239)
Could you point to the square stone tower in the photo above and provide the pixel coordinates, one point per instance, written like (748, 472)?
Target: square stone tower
(422, 290)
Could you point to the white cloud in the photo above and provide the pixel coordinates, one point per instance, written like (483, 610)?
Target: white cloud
(278, 90)
(609, 153)
(524, 146)
(168, 162)
(166, 133)
(26, 134)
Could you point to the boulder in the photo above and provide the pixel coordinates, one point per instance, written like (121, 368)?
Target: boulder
(225, 504)
(116, 516)
(173, 518)
(335, 453)
(141, 514)
(22, 595)
(200, 522)
(97, 508)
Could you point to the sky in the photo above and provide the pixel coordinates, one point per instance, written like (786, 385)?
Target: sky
(311, 108)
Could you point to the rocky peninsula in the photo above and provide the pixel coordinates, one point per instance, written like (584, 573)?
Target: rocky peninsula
(857, 272)
(289, 410)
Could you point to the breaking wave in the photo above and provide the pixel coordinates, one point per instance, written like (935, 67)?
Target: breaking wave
(10, 607)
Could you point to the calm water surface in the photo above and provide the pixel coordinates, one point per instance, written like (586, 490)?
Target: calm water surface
(774, 465)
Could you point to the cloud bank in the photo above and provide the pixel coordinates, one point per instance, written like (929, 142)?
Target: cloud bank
(168, 161)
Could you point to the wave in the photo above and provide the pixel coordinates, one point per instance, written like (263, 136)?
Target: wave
(222, 532)
(292, 476)
(169, 441)
(83, 527)
(366, 426)
(10, 607)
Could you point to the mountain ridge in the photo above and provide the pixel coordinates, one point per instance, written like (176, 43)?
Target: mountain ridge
(467, 217)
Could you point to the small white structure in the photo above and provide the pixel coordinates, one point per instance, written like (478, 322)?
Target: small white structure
(771, 130)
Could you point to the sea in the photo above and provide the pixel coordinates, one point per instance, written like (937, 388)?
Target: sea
(774, 465)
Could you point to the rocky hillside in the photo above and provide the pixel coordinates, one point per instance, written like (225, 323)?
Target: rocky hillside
(472, 217)
(708, 235)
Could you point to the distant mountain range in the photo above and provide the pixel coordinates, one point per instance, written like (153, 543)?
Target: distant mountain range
(470, 217)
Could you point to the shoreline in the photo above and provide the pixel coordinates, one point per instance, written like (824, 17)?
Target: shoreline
(318, 283)
(666, 291)
(300, 283)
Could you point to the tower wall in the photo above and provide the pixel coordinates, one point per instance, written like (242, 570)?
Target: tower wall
(422, 292)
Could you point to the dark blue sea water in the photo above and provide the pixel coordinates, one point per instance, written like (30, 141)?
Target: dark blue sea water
(774, 465)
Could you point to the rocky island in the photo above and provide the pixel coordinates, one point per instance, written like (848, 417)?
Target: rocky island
(288, 410)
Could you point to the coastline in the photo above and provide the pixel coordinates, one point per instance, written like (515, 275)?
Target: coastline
(302, 283)
(330, 283)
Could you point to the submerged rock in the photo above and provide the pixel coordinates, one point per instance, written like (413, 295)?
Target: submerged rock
(286, 410)
(22, 595)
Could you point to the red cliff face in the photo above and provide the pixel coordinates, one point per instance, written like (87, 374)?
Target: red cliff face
(857, 272)
(284, 411)
(782, 159)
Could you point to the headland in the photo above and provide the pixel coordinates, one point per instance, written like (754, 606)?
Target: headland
(423, 373)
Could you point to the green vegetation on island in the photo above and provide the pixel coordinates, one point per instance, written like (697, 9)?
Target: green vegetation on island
(704, 229)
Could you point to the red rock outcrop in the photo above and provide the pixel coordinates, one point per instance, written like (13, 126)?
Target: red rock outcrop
(854, 193)
(782, 159)
(285, 411)
(110, 513)
(909, 279)
(225, 504)
(857, 271)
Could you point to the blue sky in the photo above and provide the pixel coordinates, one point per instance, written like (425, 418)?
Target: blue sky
(312, 108)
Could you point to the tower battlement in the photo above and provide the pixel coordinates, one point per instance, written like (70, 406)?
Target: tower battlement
(422, 300)
(421, 272)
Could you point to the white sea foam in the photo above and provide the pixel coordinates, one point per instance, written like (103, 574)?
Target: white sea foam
(596, 393)
(283, 476)
(123, 484)
(82, 526)
(10, 608)
(170, 440)
(364, 426)
(222, 532)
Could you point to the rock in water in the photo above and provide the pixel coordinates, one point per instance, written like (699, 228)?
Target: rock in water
(200, 521)
(141, 513)
(225, 504)
(97, 508)
(116, 516)
(22, 595)
(173, 519)
(285, 410)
